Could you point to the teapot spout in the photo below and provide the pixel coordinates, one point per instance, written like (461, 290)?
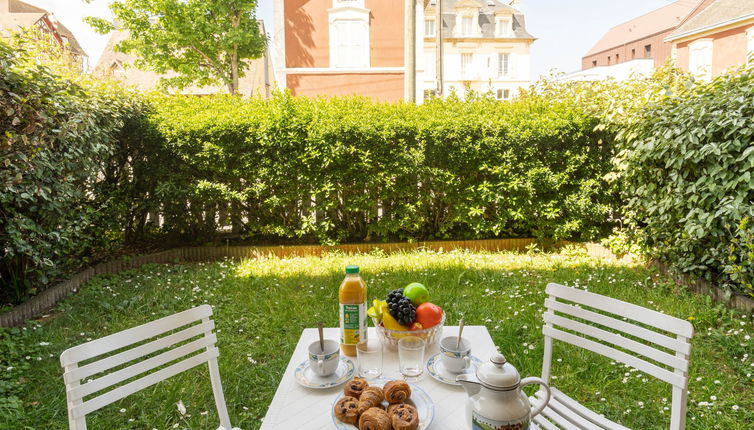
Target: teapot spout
(469, 383)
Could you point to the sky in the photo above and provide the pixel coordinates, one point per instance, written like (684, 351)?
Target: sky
(565, 29)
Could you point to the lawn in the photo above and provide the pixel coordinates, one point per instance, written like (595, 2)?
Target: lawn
(261, 306)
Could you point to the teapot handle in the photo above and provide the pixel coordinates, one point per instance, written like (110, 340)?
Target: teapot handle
(531, 380)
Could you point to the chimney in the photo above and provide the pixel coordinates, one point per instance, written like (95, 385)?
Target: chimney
(514, 3)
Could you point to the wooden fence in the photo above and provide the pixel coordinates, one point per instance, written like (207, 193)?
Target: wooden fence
(51, 296)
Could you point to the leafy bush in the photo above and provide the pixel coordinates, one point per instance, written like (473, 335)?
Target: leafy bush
(350, 169)
(688, 169)
(59, 135)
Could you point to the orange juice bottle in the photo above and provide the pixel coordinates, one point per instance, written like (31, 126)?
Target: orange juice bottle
(352, 296)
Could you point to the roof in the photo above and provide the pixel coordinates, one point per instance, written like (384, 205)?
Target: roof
(718, 13)
(659, 20)
(74, 44)
(487, 10)
(14, 14)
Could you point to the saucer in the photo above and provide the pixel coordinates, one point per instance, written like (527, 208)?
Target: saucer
(438, 371)
(306, 377)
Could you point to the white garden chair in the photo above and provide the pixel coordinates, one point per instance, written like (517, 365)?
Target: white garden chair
(573, 316)
(193, 344)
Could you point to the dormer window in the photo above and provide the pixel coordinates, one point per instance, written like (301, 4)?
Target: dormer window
(503, 27)
(467, 26)
(429, 27)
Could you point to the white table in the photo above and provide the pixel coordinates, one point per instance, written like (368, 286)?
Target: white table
(296, 407)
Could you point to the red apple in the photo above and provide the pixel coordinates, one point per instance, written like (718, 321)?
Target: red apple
(416, 326)
(428, 314)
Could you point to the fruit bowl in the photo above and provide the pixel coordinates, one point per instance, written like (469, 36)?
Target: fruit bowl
(390, 337)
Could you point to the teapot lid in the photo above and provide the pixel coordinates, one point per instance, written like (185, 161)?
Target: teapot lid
(498, 374)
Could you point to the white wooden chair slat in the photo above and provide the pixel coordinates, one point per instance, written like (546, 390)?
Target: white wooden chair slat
(571, 415)
(618, 340)
(141, 367)
(584, 411)
(140, 351)
(558, 419)
(628, 310)
(626, 327)
(542, 423)
(118, 393)
(195, 333)
(130, 336)
(644, 366)
(565, 412)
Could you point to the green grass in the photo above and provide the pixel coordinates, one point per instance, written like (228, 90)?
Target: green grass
(261, 306)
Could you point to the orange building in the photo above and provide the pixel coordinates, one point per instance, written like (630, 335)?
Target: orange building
(341, 47)
(640, 38)
(717, 36)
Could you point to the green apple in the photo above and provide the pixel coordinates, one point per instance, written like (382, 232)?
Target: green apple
(417, 293)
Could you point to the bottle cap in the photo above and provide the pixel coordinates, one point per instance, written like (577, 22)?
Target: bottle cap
(352, 269)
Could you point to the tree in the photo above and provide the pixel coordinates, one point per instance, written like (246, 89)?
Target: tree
(204, 41)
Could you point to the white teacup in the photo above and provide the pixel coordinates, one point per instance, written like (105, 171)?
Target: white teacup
(455, 360)
(324, 363)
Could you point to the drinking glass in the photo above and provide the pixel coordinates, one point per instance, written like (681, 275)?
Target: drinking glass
(369, 357)
(411, 357)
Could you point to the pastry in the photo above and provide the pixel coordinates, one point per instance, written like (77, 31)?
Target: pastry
(396, 392)
(371, 397)
(391, 408)
(374, 419)
(347, 410)
(404, 417)
(355, 386)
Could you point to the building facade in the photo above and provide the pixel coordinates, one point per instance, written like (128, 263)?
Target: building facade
(486, 48)
(716, 37)
(16, 15)
(637, 46)
(343, 47)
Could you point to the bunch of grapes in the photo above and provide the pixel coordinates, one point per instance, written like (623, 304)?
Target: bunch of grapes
(400, 307)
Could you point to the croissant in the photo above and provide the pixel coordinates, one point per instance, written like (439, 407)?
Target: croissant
(371, 397)
(396, 392)
(347, 410)
(355, 387)
(374, 419)
(404, 417)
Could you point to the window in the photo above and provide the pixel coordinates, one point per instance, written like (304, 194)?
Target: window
(466, 59)
(467, 23)
(633, 54)
(700, 58)
(617, 58)
(503, 64)
(647, 51)
(352, 44)
(503, 94)
(609, 60)
(503, 27)
(594, 63)
(429, 27)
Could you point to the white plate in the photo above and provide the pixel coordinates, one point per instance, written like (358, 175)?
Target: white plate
(305, 375)
(440, 373)
(419, 399)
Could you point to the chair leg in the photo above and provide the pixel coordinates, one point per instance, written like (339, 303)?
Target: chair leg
(217, 390)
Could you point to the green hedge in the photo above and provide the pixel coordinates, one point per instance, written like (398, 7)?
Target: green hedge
(58, 139)
(688, 167)
(351, 170)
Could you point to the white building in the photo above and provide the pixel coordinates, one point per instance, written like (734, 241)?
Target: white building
(486, 48)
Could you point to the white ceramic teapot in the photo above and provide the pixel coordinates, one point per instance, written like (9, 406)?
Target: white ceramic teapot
(496, 399)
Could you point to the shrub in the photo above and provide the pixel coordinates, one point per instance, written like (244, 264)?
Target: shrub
(350, 169)
(688, 167)
(59, 134)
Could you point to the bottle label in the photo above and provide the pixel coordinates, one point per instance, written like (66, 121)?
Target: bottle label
(353, 323)
(478, 422)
